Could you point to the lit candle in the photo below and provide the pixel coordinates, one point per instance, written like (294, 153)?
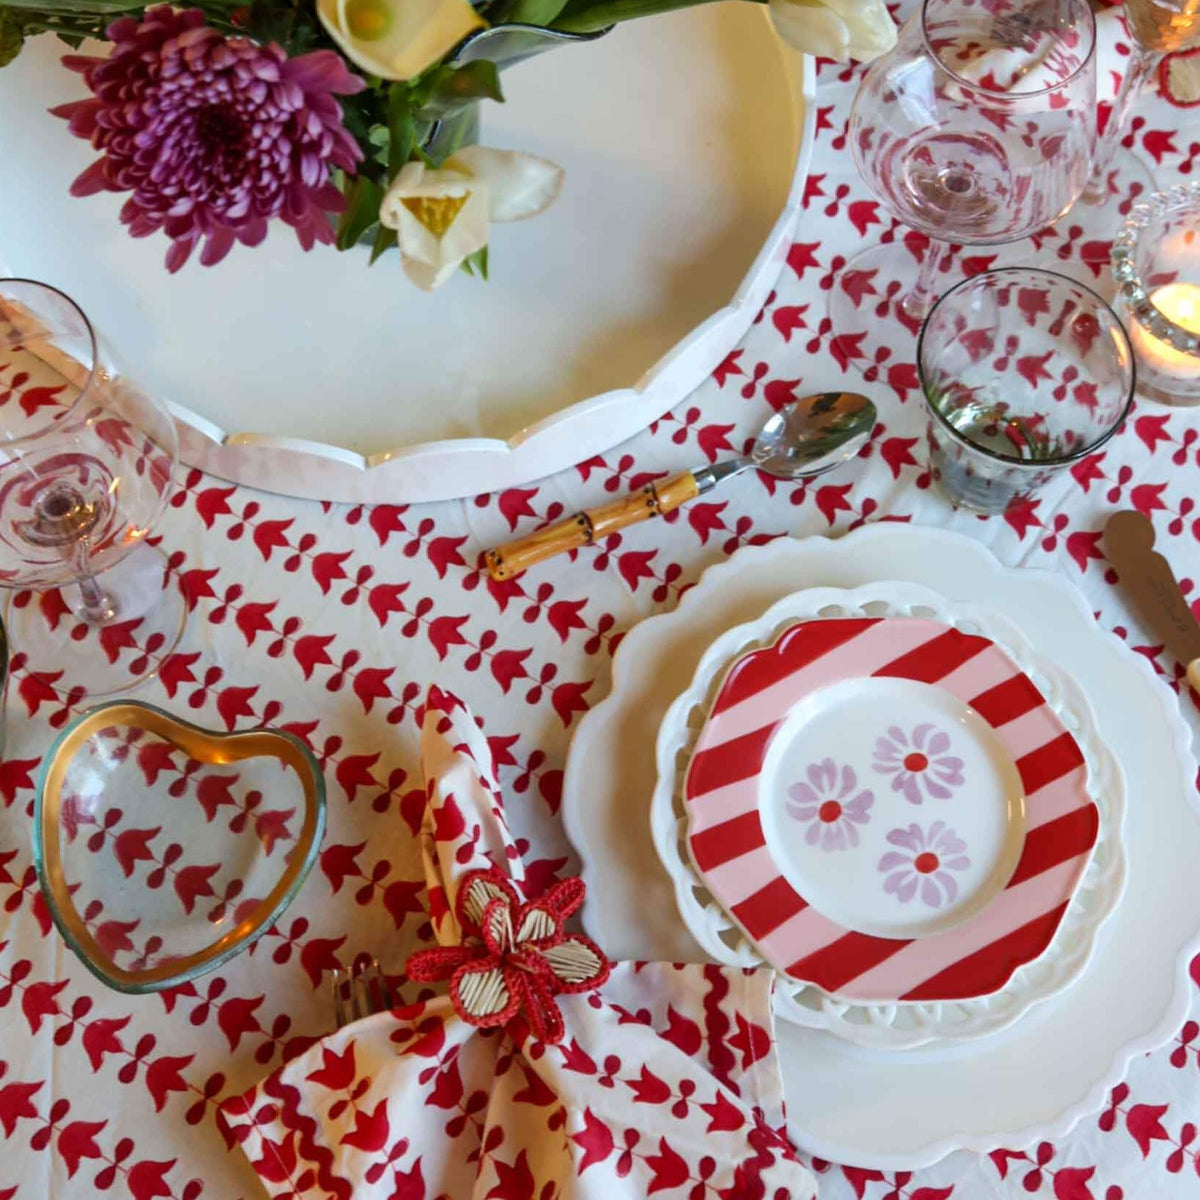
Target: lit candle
(1178, 302)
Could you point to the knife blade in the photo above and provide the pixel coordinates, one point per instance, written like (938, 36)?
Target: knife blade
(1148, 581)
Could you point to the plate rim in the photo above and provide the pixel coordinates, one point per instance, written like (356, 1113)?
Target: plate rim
(1175, 1004)
(735, 642)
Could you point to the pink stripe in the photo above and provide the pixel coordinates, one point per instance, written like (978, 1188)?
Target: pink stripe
(734, 881)
(800, 936)
(721, 804)
(1056, 799)
(1030, 732)
(925, 957)
(980, 673)
(877, 645)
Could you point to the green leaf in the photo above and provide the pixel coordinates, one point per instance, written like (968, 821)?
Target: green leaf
(401, 129)
(11, 38)
(362, 210)
(75, 7)
(536, 12)
(453, 88)
(385, 239)
(477, 262)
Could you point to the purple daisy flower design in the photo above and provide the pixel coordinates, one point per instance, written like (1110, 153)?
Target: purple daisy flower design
(923, 863)
(213, 136)
(919, 763)
(827, 804)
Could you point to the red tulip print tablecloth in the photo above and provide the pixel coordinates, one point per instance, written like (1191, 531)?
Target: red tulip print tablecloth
(331, 620)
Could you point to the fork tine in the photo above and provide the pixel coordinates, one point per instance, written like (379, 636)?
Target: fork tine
(341, 1013)
(358, 992)
(375, 986)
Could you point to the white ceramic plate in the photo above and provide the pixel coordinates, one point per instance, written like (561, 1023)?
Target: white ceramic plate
(686, 140)
(1035, 1080)
(894, 1026)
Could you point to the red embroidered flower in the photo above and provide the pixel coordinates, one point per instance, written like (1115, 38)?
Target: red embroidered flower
(516, 958)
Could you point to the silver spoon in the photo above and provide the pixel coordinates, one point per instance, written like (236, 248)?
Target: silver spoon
(807, 437)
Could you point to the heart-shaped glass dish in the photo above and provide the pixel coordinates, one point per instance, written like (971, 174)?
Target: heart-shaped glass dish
(162, 848)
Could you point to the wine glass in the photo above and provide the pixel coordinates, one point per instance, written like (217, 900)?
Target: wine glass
(977, 129)
(86, 461)
(1158, 28)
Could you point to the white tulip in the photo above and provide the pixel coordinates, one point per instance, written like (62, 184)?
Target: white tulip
(837, 29)
(397, 39)
(442, 216)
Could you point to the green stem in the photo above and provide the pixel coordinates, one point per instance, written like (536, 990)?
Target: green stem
(609, 12)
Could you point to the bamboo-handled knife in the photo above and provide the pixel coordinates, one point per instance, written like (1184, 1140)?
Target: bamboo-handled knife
(1150, 584)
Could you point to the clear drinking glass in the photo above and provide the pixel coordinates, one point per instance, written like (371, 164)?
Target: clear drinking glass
(1024, 372)
(86, 461)
(977, 128)
(1158, 28)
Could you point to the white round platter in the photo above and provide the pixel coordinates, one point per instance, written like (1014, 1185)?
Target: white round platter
(686, 139)
(901, 1025)
(1053, 1067)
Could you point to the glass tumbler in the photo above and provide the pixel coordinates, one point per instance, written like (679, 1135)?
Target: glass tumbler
(1024, 372)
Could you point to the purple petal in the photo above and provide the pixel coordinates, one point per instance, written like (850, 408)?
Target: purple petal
(908, 785)
(897, 735)
(812, 835)
(886, 750)
(893, 859)
(949, 884)
(802, 812)
(930, 894)
(920, 734)
(909, 838)
(938, 744)
(936, 790)
(801, 793)
(849, 781)
(908, 889)
(961, 863)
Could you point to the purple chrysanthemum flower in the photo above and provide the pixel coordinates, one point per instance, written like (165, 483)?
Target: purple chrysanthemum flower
(214, 136)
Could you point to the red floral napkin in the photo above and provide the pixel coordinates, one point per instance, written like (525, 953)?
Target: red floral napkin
(542, 1072)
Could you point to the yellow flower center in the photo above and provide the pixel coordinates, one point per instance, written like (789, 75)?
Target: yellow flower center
(368, 20)
(436, 213)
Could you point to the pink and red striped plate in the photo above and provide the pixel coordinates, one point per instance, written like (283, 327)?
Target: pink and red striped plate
(889, 809)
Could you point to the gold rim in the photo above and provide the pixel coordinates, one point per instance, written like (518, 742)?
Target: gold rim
(204, 746)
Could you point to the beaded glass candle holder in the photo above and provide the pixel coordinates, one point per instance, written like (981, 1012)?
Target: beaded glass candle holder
(1156, 265)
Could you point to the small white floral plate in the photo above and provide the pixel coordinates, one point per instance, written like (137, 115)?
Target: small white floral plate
(902, 852)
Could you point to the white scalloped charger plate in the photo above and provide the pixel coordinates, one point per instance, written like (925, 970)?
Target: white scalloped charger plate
(903, 1025)
(1040, 1077)
(686, 138)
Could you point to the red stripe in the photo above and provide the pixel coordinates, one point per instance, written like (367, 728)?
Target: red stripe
(769, 907)
(801, 645)
(1008, 700)
(836, 964)
(991, 967)
(1049, 762)
(936, 658)
(1053, 843)
(727, 841)
(730, 762)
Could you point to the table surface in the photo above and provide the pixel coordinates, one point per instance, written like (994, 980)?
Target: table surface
(332, 620)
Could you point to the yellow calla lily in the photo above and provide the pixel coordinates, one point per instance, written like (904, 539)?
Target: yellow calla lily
(397, 39)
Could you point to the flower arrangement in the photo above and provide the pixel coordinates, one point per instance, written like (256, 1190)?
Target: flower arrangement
(345, 119)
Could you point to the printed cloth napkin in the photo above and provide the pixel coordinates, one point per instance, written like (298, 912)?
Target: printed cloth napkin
(541, 1071)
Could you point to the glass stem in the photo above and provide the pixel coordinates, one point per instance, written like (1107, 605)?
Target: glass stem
(97, 608)
(921, 299)
(1142, 65)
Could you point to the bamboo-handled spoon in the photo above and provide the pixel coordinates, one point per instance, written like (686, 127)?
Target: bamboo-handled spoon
(807, 437)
